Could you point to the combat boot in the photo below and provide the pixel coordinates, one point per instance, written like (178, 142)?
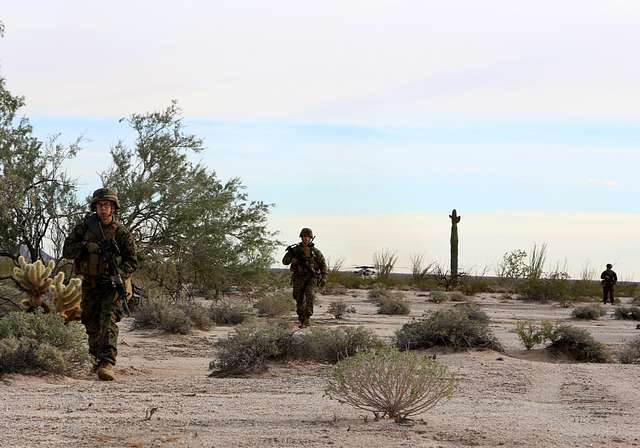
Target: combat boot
(306, 322)
(105, 372)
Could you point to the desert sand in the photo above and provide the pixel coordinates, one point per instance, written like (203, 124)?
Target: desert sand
(163, 396)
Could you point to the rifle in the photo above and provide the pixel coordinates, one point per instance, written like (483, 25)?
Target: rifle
(107, 248)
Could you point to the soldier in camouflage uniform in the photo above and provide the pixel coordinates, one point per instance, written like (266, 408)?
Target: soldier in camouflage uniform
(309, 269)
(609, 279)
(101, 306)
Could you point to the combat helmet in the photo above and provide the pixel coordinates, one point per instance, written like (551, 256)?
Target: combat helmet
(306, 232)
(609, 265)
(104, 194)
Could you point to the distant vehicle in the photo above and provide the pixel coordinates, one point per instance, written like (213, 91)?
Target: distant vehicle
(365, 271)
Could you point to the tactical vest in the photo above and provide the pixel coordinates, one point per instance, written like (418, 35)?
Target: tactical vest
(306, 261)
(92, 264)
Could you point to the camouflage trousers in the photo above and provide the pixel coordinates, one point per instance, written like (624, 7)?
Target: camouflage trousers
(607, 293)
(304, 295)
(100, 316)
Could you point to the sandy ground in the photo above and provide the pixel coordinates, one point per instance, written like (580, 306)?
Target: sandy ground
(164, 398)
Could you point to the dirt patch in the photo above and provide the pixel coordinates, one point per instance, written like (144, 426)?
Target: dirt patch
(163, 396)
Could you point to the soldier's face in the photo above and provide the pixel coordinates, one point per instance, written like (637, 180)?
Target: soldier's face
(104, 209)
(306, 239)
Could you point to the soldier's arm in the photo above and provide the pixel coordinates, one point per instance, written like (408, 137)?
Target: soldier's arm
(289, 256)
(74, 243)
(128, 253)
(322, 263)
(615, 278)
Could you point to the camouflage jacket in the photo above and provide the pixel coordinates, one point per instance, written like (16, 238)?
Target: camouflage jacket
(83, 246)
(305, 260)
(609, 278)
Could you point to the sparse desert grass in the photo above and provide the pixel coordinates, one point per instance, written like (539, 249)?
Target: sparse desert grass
(457, 296)
(390, 383)
(276, 304)
(579, 344)
(224, 312)
(592, 312)
(544, 289)
(474, 285)
(41, 343)
(627, 312)
(460, 327)
(631, 352)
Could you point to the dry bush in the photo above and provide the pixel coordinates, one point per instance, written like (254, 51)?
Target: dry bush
(529, 334)
(390, 383)
(438, 297)
(384, 261)
(461, 327)
(630, 354)
(579, 344)
(591, 312)
(457, 296)
(333, 344)
(165, 314)
(377, 291)
(393, 305)
(250, 346)
(276, 304)
(41, 343)
(627, 312)
(339, 308)
(226, 313)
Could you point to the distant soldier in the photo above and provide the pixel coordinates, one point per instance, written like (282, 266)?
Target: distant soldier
(309, 269)
(609, 279)
(98, 234)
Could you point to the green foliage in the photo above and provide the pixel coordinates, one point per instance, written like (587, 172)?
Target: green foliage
(276, 304)
(544, 289)
(579, 344)
(592, 312)
(460, 327)
(513, 265)
(170, 316)
(226, 313)
(209, 231)
(393, 305)
(333, 344)
(39, 343)
(530, 334)
(37, 195)
(390, 383)
(10, 297)
(631, 352)
(474, 285)
(627, 312)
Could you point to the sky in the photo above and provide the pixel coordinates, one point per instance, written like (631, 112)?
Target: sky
(368, 121)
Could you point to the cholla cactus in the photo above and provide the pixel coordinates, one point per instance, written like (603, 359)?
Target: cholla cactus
(66, 298)
(35, 279)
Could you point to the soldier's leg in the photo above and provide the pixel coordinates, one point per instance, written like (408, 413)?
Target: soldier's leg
(298, 296)
(107, 349)
(611, 294)
(90, 318)
(604, 295)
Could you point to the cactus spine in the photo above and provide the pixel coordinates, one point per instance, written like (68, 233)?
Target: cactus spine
(67, 297)
(34, 278)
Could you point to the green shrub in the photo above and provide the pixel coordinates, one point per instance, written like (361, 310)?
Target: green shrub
(579, 344)
(438, 297)
(339, 308)
(250, 346)
(592, 312)
(38, 343)
(529, 334)
(275, 304)
(396, 304)
(627, 312)
(333, 344)
(390, 383)
(585, 288)
(226, 313)
(631, 352)
(472, 285)
(460, 328)
(332, 289)
(377, 292)
(10, 297)
(543, 290)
